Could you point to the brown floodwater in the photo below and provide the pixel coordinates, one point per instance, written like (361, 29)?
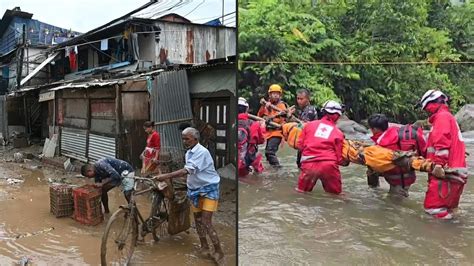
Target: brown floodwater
(364, 226)
(28, 229)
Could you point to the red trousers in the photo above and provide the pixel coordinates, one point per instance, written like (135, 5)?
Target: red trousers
(407, 181)
(447, 196)
(326, 171)
(257, 165)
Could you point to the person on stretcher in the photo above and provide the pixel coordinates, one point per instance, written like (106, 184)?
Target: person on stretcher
(379, 159)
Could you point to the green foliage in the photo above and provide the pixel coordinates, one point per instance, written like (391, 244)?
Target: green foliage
(357, 31)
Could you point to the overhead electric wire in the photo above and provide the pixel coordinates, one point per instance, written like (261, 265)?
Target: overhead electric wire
(195, 8)
(214, 17)
(353, 63)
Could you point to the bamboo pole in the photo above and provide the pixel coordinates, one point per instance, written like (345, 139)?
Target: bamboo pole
(264, 102)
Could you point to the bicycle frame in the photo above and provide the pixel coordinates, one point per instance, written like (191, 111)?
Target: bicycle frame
(157, 197)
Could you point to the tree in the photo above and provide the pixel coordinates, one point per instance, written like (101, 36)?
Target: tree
(357, 34)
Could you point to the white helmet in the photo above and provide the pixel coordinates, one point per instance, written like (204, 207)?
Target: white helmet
(430, 96)
(243, 102)
(333, 107)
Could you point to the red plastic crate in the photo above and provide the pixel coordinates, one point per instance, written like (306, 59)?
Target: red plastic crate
(87, 205)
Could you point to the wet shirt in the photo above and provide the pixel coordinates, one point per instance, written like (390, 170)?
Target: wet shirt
(309, 113)
(110, 167)
(200, 167)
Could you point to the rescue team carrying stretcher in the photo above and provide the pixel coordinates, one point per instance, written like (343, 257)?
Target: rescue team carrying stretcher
(398, 151)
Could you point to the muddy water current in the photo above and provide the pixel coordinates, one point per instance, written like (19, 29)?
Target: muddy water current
(364, 226)
(29, 231)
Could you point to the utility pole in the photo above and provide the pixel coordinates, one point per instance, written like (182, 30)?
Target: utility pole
(19, 67)
(222, 19)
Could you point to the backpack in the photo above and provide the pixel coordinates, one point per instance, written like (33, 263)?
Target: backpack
(243, 137)
(408, 138)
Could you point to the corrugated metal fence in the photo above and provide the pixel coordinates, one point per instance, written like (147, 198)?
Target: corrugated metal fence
(101, 146)
(171, 103)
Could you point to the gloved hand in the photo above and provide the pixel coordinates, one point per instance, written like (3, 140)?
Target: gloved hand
(438, 171)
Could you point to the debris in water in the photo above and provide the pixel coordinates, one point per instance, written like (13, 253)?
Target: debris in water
(18, 157)
(24, 261)
(13, 181)
(34, 233)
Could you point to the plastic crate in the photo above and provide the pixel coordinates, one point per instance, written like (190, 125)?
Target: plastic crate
(61, 200)
(87, 205)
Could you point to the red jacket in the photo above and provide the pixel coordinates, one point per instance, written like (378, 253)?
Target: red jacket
(390, 139)
(255, 130)
(321, 140)
(445, 145)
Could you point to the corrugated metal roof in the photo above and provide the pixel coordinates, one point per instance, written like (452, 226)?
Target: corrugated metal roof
(87, 84)
(170, 101)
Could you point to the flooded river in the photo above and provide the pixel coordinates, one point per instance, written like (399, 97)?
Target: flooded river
(27, 229)
(278, 226)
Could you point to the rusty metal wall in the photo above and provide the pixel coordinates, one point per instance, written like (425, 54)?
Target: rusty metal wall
(73, 143)
(101, 146)
(194, 44)
(170, 101)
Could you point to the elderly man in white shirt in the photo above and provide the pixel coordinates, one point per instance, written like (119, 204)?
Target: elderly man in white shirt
(203, 190)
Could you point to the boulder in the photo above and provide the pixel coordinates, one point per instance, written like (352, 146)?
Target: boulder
(352, 130)
(465, 117)
(468, 136)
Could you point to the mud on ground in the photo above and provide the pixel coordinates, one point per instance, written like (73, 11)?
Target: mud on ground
(29, 232)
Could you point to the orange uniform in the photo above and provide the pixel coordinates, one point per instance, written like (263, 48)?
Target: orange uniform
(267, 113)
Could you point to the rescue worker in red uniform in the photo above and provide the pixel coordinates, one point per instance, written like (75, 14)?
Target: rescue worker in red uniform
(250, 135)
(273, 135)
(445, 147)
(405, 138)
(320, 144)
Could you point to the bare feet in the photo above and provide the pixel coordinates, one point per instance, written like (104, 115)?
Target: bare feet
(219, 258)
(205, 252)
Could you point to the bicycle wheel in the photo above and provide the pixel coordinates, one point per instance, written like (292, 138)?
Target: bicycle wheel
(160, 227)
(119, 239)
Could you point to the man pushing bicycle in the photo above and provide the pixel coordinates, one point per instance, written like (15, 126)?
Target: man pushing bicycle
(203, 190)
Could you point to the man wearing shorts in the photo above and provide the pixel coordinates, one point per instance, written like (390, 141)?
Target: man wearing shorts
(203, 189)
(110, 173)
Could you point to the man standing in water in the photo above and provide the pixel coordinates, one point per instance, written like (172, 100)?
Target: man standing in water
(249, 136)
(321, 144)
(203, 190)
(304, 112)
(445, 147)
(273, 135)
(405, 138)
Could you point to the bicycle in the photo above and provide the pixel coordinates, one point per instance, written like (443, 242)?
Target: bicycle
(121, 233)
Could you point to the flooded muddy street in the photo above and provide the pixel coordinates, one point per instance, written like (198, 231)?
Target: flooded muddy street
(278, 226)
(29, 230)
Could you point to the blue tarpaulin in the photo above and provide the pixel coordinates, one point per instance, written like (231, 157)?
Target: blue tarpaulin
(214, 22)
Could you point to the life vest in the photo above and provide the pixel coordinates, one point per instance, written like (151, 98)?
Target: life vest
(291, 133)
(408, 138)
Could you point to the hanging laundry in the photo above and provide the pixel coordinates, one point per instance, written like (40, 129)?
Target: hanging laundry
(136, 52)
(73, 60)
(66, 51)
(75, 50)
(104, 45)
